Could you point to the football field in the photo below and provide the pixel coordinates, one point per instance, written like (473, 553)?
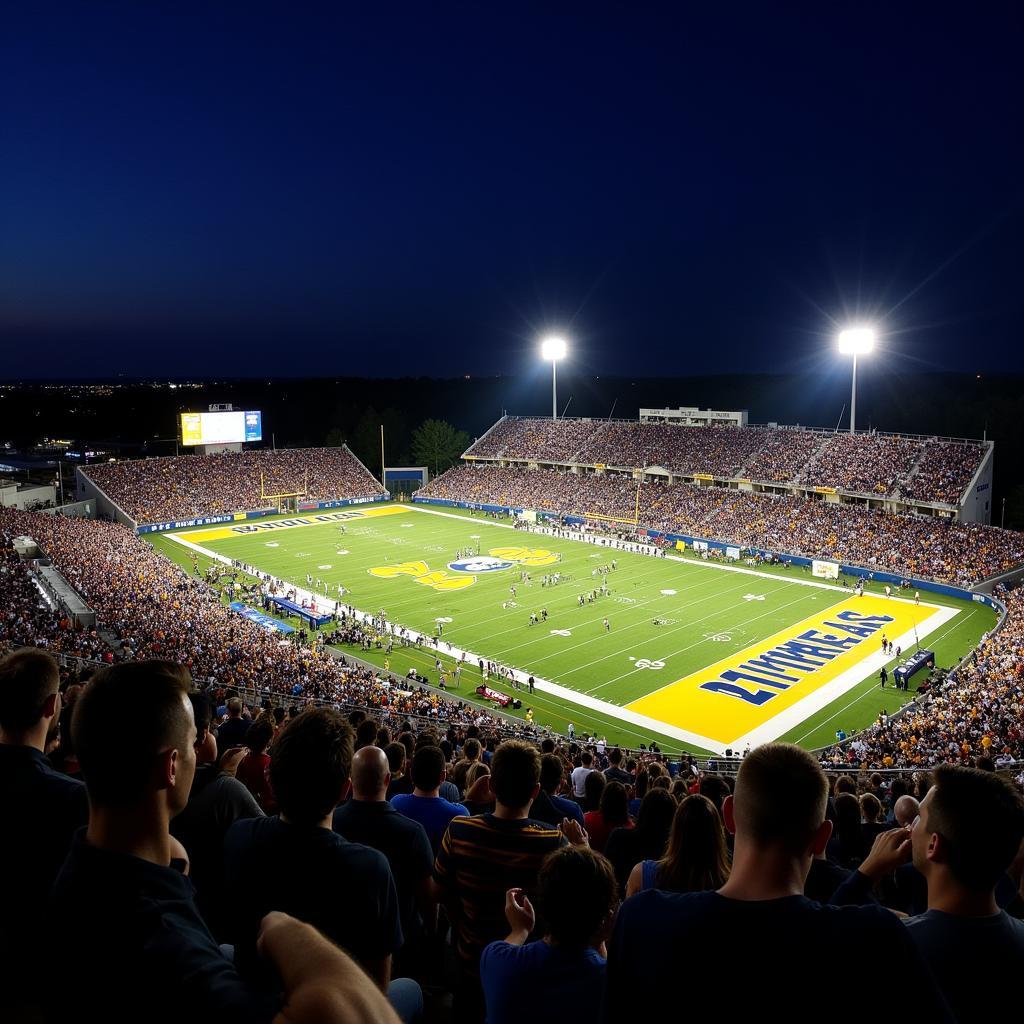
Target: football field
(694, 653)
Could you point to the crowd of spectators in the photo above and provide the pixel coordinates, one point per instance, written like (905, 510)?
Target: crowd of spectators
(978, 711)
(185, 486)
(879, 465)
(907, 545)
(150, 607)
(338, 907)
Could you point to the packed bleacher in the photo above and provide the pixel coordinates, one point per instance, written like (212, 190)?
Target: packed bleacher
(362, 875)
(183, 486)
(878, 465)
(152, 608)
(907, 545)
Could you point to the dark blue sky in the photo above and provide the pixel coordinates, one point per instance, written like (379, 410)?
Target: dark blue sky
(268, 189)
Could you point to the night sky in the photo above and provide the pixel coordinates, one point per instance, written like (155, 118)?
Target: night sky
(426, 188)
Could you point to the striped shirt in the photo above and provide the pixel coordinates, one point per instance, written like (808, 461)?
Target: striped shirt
(479, 859)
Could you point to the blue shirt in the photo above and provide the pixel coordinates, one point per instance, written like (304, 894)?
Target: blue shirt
(568, 980)
(433, 813)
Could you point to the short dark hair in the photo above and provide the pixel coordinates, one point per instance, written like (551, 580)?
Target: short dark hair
(126, 715)
(27, 678)
(547, 745)
(471, 748)
(259, 735)
(202, 711)
(576, 891)
(366, 733)
(981, 818)
(615, 755)
(428, 768)
(312, 762)
(234, 706)
(552, 771)
(515, 772)
(395, 753)
(781, 793)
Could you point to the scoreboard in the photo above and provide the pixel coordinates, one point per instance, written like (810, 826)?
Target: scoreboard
(221, 427)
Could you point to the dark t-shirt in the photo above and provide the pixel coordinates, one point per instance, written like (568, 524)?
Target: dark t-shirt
(231, 733)
(42, 810)
(823, 879)
(570, 983)
(971, 958)
(552, 809)
(217, 800)
(342, 888)
(614, 774)
(756, 952)
(141, 949)
(402, 785)
(401, 840)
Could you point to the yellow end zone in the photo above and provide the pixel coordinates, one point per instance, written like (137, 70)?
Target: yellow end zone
(291, 523)
(745, 690)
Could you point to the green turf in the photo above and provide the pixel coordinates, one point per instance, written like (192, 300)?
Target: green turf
(708, 615)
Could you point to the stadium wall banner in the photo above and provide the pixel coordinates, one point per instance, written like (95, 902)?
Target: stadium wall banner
(733, 553)
(310, 506)
(700, 545)
(824, 490)
(179, 524)
(825, 570)
(236, 517)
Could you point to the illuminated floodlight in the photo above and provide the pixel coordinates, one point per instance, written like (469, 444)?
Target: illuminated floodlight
(856, 341)
(553, 347)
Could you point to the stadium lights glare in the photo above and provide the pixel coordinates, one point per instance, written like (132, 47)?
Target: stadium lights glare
(554, 348)
(855, 341)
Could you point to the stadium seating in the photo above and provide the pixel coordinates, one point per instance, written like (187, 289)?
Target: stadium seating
(963, 554)
(879, 465)
(184, 486)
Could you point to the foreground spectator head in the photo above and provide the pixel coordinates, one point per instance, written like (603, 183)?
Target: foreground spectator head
(428, 766)
(593, 789)
(779, 803)
(396, 755)
(134, 733)
(577, 895)
(370, 773)
(697, 858)
(260, 733)
(515, 775)
(905, 810)
(312, 765)
(30, 705)
(970, 829)
(206, 743)
(551, 773)
(471, 749)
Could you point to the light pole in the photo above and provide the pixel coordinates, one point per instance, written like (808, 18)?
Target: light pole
(553, 348)
(856, 341)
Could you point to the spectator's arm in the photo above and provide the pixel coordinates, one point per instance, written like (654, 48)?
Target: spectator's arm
(888, 852)
(321, 983)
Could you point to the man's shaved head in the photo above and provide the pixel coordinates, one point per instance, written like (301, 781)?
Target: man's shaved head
(370, 772)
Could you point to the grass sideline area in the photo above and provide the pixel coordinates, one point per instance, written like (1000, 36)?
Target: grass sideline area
(670, 621)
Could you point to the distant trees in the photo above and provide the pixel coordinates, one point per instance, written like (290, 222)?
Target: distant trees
(437, 445)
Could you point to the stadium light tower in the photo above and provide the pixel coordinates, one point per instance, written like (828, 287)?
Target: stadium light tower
(856, 341)
(554, 348)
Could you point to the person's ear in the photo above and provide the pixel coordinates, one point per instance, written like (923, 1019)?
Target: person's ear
(51, 706)
(822, 834)
(168, 768)
(935, 851)
(729, 815)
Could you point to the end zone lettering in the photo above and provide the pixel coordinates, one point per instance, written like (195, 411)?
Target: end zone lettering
(805, 653)
(328, 517)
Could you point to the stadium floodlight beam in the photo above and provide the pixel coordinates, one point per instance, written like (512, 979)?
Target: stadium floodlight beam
(554, 348)
(856, 341)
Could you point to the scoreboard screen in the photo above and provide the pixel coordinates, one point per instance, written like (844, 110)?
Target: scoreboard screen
(221, 427)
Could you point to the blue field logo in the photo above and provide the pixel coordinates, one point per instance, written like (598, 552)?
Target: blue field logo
(480, 563)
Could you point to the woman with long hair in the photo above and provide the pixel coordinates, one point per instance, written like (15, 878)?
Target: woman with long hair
(626, 847)
(696, 859)
(613, 813)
